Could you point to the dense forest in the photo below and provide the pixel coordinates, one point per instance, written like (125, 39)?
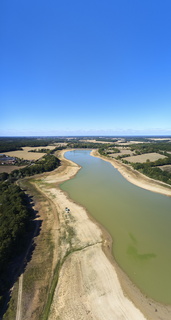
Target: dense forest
(15, 223)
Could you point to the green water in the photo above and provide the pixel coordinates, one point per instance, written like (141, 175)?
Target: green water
(139, 222)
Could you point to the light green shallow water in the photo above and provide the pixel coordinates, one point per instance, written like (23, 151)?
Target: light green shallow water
(139, 222)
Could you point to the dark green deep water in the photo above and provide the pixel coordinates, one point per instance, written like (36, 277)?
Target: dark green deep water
(139, 222)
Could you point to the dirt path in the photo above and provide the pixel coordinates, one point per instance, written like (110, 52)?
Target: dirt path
(19, 304)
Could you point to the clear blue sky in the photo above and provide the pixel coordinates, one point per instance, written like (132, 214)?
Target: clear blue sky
(85, 67)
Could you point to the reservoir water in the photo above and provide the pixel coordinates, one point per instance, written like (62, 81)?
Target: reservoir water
(139, 222)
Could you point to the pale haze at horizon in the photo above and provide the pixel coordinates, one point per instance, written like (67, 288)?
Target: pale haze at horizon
(85, 67)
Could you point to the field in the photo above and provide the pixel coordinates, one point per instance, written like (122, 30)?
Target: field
(37, 148)
(26, 155)
(94, 141)
(121, 153)
(9, 169)
(22, 154)
(144, 157)
(165, 168)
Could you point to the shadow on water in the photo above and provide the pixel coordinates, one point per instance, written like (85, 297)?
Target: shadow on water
(19, 262)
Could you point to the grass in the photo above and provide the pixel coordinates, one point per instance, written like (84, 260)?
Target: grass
(11, 312)
(51, 292)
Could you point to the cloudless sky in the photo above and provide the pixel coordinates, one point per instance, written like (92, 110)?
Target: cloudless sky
(85, 67)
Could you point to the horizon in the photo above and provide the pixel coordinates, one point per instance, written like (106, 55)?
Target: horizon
(92, 136)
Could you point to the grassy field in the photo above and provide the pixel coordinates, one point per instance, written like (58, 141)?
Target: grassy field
(144, 157)
(37, 148)
(22, 154)
(165, 168)
(121, 153)
(26, 155)
(9, 169)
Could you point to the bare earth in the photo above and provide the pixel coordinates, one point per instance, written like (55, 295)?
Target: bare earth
(136, 177)
(88, 285)
(9, 168)
(144, 157)
(23, 154)
(26, 155)
(91, 285)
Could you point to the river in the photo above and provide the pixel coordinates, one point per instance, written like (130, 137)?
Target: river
(138, 220)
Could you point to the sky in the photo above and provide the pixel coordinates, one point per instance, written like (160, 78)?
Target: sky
(89, 67)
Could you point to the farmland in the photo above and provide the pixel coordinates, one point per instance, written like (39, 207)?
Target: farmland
(145, 157)
(9, 169)
(26, 153)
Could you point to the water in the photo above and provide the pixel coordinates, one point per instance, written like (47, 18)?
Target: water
(139, 222)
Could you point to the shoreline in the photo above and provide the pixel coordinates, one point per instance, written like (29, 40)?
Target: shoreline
(90, 279)
(135, 177)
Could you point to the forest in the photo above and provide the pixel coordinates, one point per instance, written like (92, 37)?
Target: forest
(16, 218)
(15, 224)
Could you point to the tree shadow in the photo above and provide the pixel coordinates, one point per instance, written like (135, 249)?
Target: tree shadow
(18, 263)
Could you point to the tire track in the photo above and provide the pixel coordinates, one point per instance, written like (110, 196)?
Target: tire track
(20, 290)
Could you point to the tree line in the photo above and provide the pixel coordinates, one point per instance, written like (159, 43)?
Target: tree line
(16, 143)
(15, 223)
(16, 218)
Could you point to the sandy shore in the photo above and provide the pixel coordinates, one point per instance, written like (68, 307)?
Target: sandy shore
(136, 177)
(91, 285)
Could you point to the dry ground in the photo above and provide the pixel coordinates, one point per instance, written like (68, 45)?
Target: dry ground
(94, 141)
(144, 157)
(9, 168)
(165, 168)
(22, 154)
(121, 153)
(26, 155)
(89, 284)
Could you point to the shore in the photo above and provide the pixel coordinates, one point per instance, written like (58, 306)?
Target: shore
(91, 285)
(135, 177)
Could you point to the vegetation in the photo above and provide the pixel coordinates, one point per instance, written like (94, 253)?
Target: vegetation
(84, 145)
(149, 168)
(15, 219)
(16, 143)
(15, 223)
(47, 163)
(150, 147)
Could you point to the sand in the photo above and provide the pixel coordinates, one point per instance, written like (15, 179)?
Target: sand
(91, 285)
(88, 285)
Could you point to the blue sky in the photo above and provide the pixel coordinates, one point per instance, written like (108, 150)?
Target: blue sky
(85, 67)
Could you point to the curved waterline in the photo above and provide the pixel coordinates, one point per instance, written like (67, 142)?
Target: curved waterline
(138, 221)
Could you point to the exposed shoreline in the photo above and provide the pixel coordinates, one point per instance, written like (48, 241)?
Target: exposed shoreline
(91, 285)
(135, 177)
